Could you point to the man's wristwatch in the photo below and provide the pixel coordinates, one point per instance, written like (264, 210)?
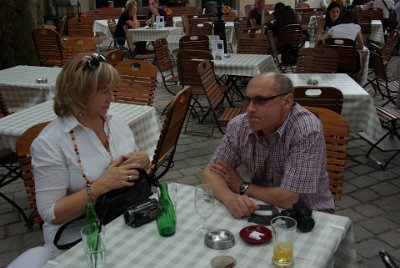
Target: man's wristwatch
(243, 187)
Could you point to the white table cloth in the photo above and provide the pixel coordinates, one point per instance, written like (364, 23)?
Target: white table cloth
(330, 244)
(142, 120)
(358, 105)
(245, 65)
(20, 90)
(152, 34)
(101, 26)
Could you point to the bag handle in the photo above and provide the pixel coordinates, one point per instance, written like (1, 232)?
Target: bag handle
(59, 232)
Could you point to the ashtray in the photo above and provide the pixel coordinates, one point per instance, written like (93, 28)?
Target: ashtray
(223, 261)
(312, 82)
(256, 234)
(219, 239)
(41, 80)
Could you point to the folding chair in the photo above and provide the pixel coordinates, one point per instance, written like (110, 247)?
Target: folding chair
(317, 60)
(114, 56)
(323, 97)
(49, 49)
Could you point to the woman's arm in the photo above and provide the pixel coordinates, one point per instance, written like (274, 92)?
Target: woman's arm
(360, 41)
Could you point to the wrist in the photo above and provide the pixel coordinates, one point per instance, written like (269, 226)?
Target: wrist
(244, 186)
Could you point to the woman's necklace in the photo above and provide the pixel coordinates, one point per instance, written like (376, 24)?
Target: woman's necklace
(79, 161)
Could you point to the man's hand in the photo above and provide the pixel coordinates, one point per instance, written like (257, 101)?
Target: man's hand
(229, 174)
(241, 206)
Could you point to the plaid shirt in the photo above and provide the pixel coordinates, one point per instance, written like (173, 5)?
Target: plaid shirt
(294, 159)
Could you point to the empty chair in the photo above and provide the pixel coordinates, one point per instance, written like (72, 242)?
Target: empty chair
(138, 82)
(200, 28)
(336, 132)
(365, 22)
(169, 136)
(290, 35)
(323, 97)
(215, 96)
(80, 27)
(49, 49)
(253, 43)
(317, 60)
(114, 56)
(165, 64)
(194, 42)
(77, 45)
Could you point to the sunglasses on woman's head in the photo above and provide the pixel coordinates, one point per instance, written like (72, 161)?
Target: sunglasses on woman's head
(92, 62)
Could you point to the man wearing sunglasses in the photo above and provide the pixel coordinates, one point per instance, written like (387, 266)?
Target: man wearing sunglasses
(282, 146)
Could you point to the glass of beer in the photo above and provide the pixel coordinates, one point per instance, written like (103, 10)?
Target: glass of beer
(283, 231)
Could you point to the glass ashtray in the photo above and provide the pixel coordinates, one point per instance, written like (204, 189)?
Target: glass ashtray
(41, 80)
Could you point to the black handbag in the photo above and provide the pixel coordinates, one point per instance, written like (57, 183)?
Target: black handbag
(113, 204)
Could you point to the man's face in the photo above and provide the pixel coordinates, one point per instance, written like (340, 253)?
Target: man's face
(266, 114)
(152, 3)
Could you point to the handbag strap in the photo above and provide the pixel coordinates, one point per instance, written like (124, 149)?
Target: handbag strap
(385, 5)
(60, 231)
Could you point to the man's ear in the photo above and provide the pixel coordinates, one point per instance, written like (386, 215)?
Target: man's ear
(288, 101)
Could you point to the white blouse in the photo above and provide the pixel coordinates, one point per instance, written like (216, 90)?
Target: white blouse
(345, 30)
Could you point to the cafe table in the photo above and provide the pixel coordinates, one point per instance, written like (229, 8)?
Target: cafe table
(142, 120)
(101, 26)
(20, 88)
(150, 34)
(329, 244)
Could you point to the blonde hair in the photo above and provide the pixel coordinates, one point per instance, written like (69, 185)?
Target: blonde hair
(76, 83)
(130, 3)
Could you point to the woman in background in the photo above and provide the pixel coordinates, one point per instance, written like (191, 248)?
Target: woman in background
(129, 18)
(331, 19)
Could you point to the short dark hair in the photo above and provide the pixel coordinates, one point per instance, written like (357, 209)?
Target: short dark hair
(349, 16)
(278, 5)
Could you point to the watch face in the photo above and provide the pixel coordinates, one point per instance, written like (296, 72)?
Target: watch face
(243, 187)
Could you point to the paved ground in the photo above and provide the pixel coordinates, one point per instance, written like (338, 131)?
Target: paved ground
(371, 197)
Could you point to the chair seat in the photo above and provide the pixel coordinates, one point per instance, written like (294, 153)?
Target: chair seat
(387, 115)
(230, 113)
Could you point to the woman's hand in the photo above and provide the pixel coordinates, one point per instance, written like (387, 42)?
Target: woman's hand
(141, 159)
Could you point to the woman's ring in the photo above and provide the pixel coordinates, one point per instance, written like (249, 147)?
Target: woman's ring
(130, 178)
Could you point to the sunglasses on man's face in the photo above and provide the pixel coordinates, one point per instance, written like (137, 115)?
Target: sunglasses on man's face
(92, 62)
(260, 100)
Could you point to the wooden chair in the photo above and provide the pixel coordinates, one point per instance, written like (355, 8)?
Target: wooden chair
(216, 96)
(381, 78)
(131, 48)
(10, 167)
(112, 25)
(80, 27)
(200, 28)
(365, 22)
(389, 48)
(305, 14)
(24, 159)
(62, 26)
(253, 43)
(336, 132)
(169, 135)
(49, 49)
(317, 60)
(138, 82)
(240, 26)
(194, 42)
(276, 55)
(186, 25)
(290, 34)
(180, 11)
(323, 97)
(349, 58)
(389, 118)
(114, 56)
(75, 45)
(165, 64)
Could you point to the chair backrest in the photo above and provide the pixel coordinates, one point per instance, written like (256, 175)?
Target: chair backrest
(186, 24)
(240, 25)
(253, 43)
(138, 82)
(390, 45)
(114, 56)
(24, 159)
(62, 26)
(48, 47)
(163, 58)
(200, 28)
(112, 25)
(194, 42)
(336, 132)
(305, 14)
(187, 63)
(323, 97)
(317, 60)
(179, 11)
(289, 34)
(77, 45)
(213, 91)
(377, 63)
(3, 107)
(170, 132)
(365, 22)
(349, 58)
(80, 27)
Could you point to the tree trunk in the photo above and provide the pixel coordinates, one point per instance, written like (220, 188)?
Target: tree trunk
(17, 19)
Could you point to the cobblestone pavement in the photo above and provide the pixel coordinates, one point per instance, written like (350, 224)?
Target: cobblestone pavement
(371, 197)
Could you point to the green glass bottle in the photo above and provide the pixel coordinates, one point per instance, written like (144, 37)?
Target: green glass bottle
(166, 217)
(91, 216)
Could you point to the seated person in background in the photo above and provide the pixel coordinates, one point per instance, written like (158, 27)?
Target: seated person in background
(368, 4)
(317, 4)
(83, 153)
(282, 16)
(386, 6)
(331, 19)
(282, 146)
(154, 10)
(348, 28)
(254, 20)
(128, 17)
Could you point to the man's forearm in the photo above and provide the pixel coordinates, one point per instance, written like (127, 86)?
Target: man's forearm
(220, 188)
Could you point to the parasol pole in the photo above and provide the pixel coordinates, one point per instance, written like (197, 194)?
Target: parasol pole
(262, 16)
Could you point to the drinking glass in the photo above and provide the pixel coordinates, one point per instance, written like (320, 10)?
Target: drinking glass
(283, 231)
(93, 240)
(204, 204)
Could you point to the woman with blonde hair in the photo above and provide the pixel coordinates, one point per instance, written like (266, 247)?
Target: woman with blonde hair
(85, 152)
(129, 18)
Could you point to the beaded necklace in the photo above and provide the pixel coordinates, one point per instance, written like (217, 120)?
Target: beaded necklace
(79, 161)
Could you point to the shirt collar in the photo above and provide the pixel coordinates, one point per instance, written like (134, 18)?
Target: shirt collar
(70, 122)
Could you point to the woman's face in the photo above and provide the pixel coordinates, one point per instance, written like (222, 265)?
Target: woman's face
(334, 14)
(98, 104)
